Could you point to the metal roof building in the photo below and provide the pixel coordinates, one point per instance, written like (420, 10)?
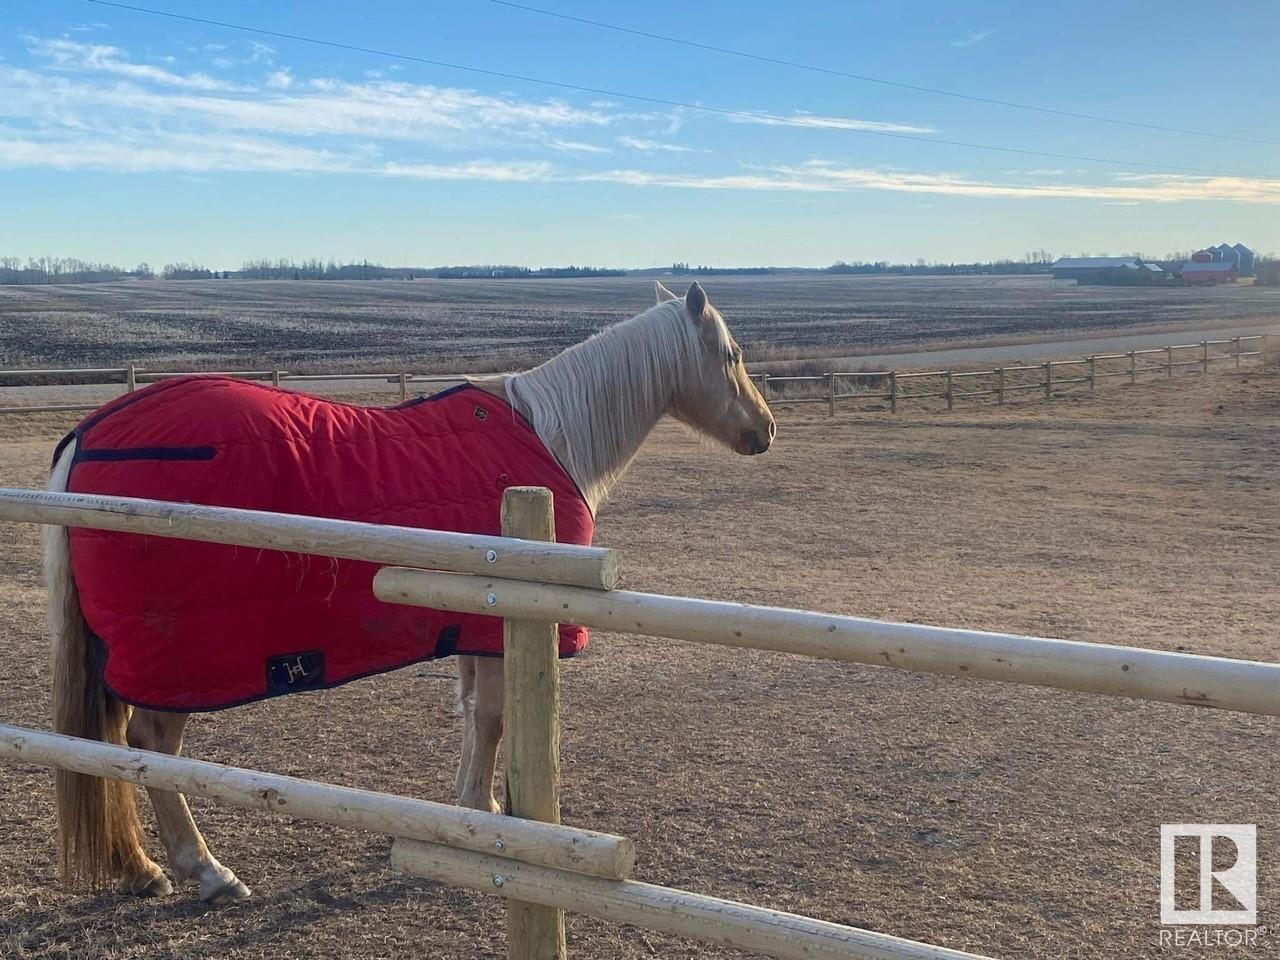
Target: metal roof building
(1106, 270)
(1073, 268)
(1217, 271)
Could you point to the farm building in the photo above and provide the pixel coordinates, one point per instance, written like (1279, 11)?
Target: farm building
(1203, 272)
(1222, 253)
(1244, 258)
(1118, 271)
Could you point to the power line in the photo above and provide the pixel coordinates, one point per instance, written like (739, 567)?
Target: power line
(753, 116)
(813, 68)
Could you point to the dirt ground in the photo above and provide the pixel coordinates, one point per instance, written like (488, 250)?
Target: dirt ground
(1010, 821)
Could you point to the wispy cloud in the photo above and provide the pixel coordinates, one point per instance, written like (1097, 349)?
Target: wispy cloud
(972, 38)
(380, 109)
(655, 146)
(576, 146)
(830, 123)
(195, 154)
(102, 58)
(476, 170)
(88, 106)
(818, 176)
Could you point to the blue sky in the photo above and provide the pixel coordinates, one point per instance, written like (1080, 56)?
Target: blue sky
(127, 137)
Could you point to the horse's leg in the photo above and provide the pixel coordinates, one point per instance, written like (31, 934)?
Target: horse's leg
(189, 857)
(467, 708)
(477, 791)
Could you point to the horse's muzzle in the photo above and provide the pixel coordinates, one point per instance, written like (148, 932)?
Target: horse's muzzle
(754, 442)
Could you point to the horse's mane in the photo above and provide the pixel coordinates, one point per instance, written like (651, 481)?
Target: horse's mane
(594, 403)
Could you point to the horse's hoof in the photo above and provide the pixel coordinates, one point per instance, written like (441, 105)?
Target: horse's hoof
(225, 894)
(489, 805)
(157, 886)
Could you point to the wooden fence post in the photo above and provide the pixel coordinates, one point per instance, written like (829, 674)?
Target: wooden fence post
(950, 399)
(1236, 341)
(1093, 372)
(130, 379)
(1048, 380)
(1168, 357)
(893, 391)
(1133, 367)
(999, 384)
(404, 387)
(275, 376)
(1204, 356)
(831, 382)
(531, 650)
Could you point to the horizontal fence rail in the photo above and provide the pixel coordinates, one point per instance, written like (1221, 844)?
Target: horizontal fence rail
(667, 910)
(1182, 678)
(591, 567)
(565, 848)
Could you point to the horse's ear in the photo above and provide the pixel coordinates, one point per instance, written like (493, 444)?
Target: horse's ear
(662, 292)
(695, 301)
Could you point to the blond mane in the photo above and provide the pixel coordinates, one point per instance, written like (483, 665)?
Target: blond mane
(594, 404)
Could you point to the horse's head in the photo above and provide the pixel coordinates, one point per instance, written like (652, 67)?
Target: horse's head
(719, 399)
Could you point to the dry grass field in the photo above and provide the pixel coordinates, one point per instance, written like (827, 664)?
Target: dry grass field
(453, 325)
(1010, 821)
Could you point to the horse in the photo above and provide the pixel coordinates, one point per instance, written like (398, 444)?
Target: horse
(592, 406)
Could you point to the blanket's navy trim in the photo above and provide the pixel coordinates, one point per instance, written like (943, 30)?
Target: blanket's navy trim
(103, 652)
(427, 398)
(146, 453)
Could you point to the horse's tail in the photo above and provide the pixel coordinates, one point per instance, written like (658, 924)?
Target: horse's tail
(99, 832)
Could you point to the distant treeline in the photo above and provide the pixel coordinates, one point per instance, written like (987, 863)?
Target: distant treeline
(56, 270)
(922, 269)
(683, 269)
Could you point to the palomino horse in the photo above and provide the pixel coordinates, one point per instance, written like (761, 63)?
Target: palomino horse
(592, 406)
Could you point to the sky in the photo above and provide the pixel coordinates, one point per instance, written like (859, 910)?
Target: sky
(127, 137)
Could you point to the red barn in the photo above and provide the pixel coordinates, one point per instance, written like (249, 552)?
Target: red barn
(1200, 273)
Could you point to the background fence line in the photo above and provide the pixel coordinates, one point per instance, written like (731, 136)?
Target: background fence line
(813, 388)
(942, 384)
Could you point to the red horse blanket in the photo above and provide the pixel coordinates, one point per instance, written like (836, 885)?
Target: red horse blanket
(200, 626)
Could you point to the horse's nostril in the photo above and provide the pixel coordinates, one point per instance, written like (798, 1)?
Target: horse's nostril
(773, 429)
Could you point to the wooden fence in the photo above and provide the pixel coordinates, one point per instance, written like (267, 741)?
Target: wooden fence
(539, 865)
(131, 376)
(998, 384)
(894, 386)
